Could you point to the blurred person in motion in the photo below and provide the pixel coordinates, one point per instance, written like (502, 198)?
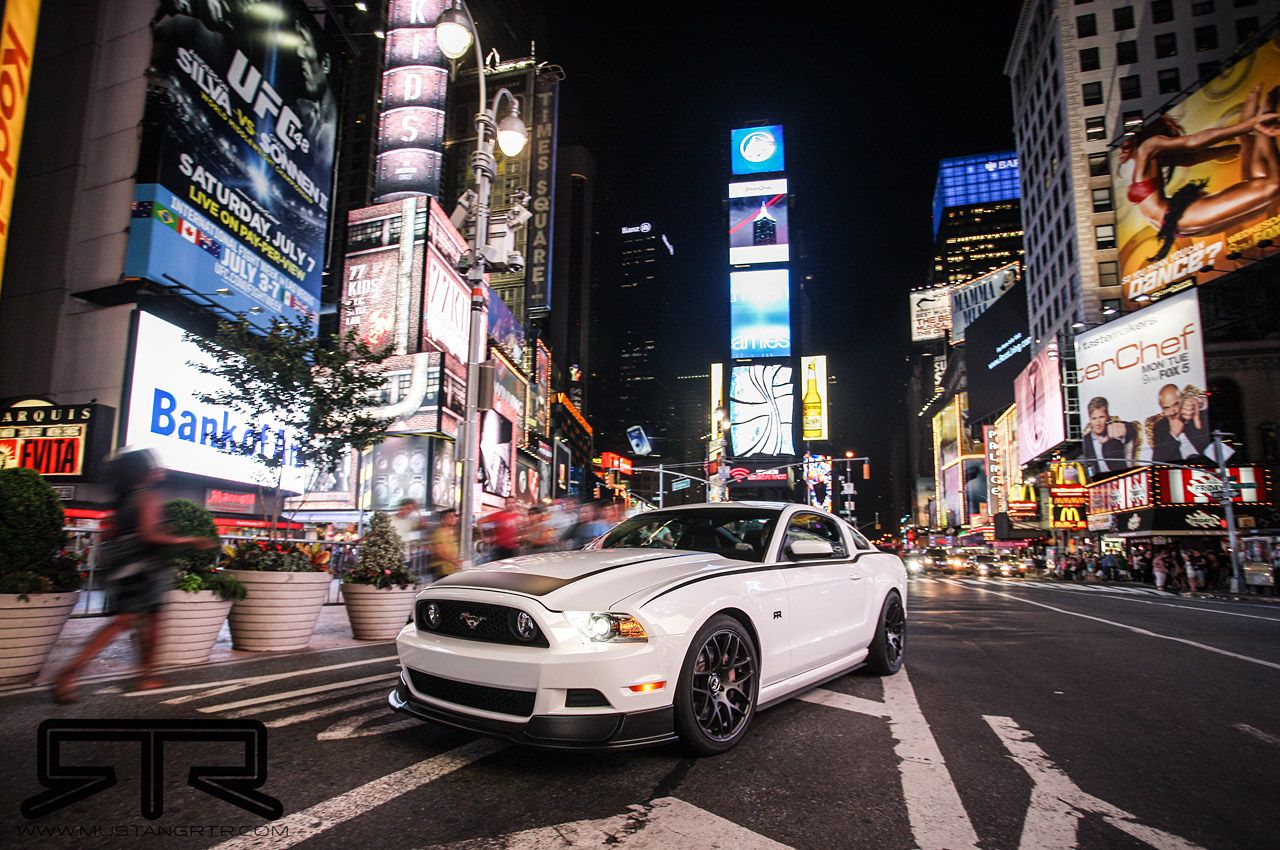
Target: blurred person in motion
(504, 532)
(539, 534)
(132, 558)
(591, 524)
(443, 545)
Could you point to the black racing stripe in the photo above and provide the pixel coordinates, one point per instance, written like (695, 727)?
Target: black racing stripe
(783, 566)
(530, 584)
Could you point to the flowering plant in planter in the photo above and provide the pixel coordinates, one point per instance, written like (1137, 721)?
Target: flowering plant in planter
(380, 559)
(270, 556)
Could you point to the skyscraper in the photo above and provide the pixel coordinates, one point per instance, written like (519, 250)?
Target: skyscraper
(1082, 75)
(977, 217)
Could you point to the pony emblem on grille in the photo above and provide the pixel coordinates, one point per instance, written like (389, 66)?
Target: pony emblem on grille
(471, 620)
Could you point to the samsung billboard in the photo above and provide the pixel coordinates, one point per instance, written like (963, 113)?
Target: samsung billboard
(232, 200)
(758, 222)
(760, 313)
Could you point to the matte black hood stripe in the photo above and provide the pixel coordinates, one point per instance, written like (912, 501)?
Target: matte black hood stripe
(530, 583)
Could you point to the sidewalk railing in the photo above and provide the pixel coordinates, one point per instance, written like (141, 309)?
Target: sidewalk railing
(342, 559)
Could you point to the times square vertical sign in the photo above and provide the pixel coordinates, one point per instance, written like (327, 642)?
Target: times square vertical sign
(235, 177)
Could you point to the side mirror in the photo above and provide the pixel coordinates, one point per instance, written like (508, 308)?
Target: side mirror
(811, 549)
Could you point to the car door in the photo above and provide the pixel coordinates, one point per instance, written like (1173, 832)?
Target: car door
(825, 594)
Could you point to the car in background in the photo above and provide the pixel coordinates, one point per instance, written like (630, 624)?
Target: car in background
(1012, 566)
(983, 565)
(958, 564)
(917, 563)
(935, 559)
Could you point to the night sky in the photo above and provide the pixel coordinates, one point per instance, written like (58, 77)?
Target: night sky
(871, 100)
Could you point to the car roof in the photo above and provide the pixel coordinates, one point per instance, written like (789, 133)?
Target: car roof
(721, 505)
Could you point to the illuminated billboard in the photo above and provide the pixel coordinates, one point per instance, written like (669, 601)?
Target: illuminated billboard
(166, 415)
(233, 206)
(1195, 188)
(415, 84)
(761, 411)
(970, 299)
(1038, 393)
(757, 150)
(758, 222)
(760, 313)
(930, 313)
(997, 347)
(982, 179)
(813, 401)
(17, 47)
(1142, 387)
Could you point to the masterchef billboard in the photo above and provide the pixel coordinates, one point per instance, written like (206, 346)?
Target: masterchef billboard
(1197, 188)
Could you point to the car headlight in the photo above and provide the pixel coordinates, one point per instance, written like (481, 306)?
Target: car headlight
(602, 627)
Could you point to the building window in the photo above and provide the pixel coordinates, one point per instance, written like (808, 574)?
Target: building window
(1161, 11)
(1166, 45)
(1132, 121)
(1098, 165)
(1102, 200)
(1095, 128)
(1203, 7)
(1108, 273)
(1207, 70)
(1123, 18)
(1206, 38)
(1086, 25)
(1090, 59)
(1130, 87)
(1170, 80)
(1110, 307)
(1104, 236)
(1240, 4)
(1126, 52)
(1091, 93)
(1246, 28)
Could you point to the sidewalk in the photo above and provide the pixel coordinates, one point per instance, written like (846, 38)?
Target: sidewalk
(120, 659)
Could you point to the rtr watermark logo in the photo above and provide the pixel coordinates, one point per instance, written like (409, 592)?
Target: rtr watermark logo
(233, 780)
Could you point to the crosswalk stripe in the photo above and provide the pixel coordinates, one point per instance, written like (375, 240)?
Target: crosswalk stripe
(256, 711)
(332, 686)
(241, 682)
(299, 827)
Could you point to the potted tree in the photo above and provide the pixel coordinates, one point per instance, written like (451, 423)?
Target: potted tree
(202, 596)
(285, 586)
(379, 591)
(39, 578)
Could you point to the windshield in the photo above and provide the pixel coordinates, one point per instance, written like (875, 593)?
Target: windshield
(741, 534)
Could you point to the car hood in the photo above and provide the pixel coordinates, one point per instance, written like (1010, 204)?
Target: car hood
(590, 580)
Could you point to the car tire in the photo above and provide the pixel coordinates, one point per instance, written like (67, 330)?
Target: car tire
(889, 647)
(719, 683)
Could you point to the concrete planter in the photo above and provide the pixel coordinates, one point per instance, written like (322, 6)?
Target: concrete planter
(28, 631)
(377, 614)
(189, 626)
(280, 611)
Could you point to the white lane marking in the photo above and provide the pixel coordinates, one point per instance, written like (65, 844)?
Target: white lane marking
(934, 810)
(229, 685)
(1057, 804)
(665, 822)
(1139, 631)
(309, 700)
(301, 692)
(309, 823)
(1163, 594)
(835, 699)
(303, 717)
(355, 727)
(1258, 733)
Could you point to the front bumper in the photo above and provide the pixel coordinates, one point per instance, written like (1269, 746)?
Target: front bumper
(615, 730)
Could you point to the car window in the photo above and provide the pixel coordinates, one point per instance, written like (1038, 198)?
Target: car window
(741, 535)
(813, 527)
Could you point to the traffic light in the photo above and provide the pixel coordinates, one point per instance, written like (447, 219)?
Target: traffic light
(866, 470)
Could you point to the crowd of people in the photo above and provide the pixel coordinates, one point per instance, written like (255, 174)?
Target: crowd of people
(1170, 567)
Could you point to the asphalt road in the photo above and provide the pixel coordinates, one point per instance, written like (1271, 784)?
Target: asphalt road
(1030, 715)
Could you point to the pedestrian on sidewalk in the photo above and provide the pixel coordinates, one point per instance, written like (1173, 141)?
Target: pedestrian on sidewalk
(443, 545)
(1160, 569)
(132, 559)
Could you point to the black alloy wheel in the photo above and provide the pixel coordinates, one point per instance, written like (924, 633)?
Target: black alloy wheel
(716, 695)
(889, 646)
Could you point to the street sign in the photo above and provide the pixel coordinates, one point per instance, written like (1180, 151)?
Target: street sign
(681, 484)
(848, 489)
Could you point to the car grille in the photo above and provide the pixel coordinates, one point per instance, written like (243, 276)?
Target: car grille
(492, 623)
(483, 697)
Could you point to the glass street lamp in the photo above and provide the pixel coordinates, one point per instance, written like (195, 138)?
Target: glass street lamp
(455, 33)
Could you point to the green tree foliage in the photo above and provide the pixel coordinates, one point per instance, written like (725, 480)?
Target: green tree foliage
(317, 388)
(380, 560)
(32, 555)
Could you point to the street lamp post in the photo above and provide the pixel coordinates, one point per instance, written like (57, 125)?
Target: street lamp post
(456, 34)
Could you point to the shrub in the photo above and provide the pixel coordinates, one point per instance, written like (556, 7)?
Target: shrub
(270, 556)
(195, 568)
(380, 560)
(32, 554)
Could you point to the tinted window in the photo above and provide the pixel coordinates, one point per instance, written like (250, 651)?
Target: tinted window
(739, 534)
(814, 527)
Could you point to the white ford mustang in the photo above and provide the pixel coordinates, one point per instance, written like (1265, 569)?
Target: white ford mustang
(678, 623)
